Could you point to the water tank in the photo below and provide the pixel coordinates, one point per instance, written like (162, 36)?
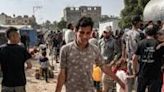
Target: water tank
(154, 10)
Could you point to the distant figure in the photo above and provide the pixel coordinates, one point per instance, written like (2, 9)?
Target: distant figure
(69, 34)
(25, 40)
(42, 47)
(44, 62)
(12, 59)
(93, 39)
(56, 47)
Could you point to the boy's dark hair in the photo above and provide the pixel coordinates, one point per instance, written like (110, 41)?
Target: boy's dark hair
(159, 22)
(151, 30)
(135, 19)
(44, 53)
(10, 30)
(84, 22)
(69, 25)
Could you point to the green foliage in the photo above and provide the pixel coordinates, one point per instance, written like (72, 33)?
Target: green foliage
(61, 24)
(34, 25)
(55, 26)
(143, 3)
(47, 24)
(132, 7)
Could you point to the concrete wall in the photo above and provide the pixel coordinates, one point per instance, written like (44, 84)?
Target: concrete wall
(73, 14)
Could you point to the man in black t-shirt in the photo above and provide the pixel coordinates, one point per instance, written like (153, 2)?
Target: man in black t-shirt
(149, 61)
(12, 59)
(160, 49)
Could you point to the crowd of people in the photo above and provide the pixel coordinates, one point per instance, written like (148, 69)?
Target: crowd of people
(114, 61)
(128, 61)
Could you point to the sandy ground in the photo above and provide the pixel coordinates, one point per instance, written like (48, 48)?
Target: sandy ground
(35, 85)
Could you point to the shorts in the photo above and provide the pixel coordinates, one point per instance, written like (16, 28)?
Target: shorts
(97, 85)
(13, 89)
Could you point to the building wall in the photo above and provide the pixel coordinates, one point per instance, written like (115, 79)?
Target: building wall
(73, 14)
(19, 20)
(2, 18)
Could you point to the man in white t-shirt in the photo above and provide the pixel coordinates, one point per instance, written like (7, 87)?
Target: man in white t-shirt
(93, 39)
(130, 40)
(69, 35)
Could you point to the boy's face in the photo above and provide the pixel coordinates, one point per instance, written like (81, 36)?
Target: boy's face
(160, 37)
(83, 35)
(138, 24)
(14, 37)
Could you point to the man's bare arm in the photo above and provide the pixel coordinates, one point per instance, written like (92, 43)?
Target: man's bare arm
(107, 70)
(28, 63)
(61, 80)
(135, 64)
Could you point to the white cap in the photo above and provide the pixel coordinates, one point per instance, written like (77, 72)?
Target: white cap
(107, 29)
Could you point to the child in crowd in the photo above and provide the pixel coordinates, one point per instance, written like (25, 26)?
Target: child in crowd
(122, 74)
(42, 48)
(97, 75)
(44, 62)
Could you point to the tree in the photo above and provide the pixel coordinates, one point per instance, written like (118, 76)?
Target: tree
(34, 25)
(132, 7)
(143, 3)
(50, 26)
(47, 24)
(33, 22)
(54, 25)
(104, 18)
(61, 24)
